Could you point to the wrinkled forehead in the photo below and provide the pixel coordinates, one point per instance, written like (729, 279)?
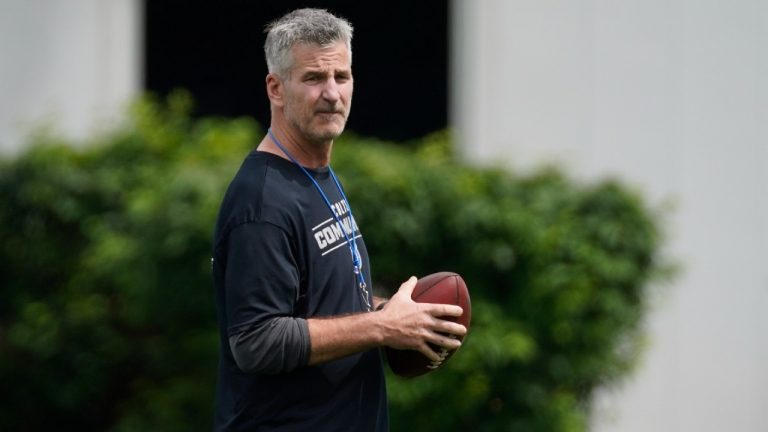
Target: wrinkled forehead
(334, 56)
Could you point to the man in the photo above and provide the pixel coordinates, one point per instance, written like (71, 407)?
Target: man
(299, 328)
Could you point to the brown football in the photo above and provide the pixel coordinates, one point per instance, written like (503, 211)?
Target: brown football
(445, 288)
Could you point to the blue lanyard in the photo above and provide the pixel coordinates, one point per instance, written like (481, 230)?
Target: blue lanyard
(349, 237)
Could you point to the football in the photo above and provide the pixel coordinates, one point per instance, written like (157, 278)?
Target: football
(445, 288)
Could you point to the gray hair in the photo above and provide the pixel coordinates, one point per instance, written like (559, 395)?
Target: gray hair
(311, 26)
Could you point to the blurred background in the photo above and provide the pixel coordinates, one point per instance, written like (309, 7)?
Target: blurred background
(581, 135)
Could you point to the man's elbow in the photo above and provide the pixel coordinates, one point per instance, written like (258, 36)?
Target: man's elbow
(246, 362)
(277, 346)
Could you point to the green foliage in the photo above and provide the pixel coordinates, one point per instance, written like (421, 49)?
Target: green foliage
(557, 272)
(107, 318)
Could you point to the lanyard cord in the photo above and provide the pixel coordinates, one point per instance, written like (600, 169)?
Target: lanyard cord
(350, 238)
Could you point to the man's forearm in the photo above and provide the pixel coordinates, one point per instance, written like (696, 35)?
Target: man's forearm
(333, 338)
(400, 324)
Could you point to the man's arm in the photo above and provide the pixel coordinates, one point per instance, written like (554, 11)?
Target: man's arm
(259, 299)
(402, 324)
(265, 338)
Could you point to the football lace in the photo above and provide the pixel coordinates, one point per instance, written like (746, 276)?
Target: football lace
(443, 354)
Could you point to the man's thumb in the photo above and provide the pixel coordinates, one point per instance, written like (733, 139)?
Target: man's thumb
(408, 286)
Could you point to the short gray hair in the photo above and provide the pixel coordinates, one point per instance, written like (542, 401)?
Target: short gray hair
(311, 26)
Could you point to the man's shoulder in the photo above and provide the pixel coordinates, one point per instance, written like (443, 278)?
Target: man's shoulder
(249, 179)
(263, 173)
(260, 191)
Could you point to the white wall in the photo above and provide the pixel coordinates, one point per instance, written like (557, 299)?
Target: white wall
(671, 96)
(70, 65)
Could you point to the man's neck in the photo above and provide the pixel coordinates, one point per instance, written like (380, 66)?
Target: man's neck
(307, 154)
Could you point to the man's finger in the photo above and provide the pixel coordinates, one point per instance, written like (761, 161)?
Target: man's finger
(443, 341)
(429, 353)
(450, 327)
(438, 310)
(408, 286)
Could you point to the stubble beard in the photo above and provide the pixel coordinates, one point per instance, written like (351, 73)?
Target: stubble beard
(322, 134)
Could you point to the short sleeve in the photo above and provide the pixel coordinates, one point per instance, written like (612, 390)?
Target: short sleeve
(261, 276)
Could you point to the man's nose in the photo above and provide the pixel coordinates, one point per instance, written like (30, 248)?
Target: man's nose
(331, 91)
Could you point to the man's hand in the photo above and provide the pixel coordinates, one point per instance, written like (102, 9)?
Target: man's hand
(402, 324)
(406, 324)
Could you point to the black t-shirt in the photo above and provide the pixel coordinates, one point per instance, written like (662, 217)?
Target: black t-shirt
(279, 252)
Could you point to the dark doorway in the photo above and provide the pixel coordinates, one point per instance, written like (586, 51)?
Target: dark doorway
(215, 50)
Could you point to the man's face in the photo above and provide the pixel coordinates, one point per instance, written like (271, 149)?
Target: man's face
(318, 91)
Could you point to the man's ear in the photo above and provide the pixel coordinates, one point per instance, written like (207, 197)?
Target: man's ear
(275, 89)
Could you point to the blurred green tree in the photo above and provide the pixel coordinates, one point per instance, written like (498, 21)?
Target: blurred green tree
(107, 318)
